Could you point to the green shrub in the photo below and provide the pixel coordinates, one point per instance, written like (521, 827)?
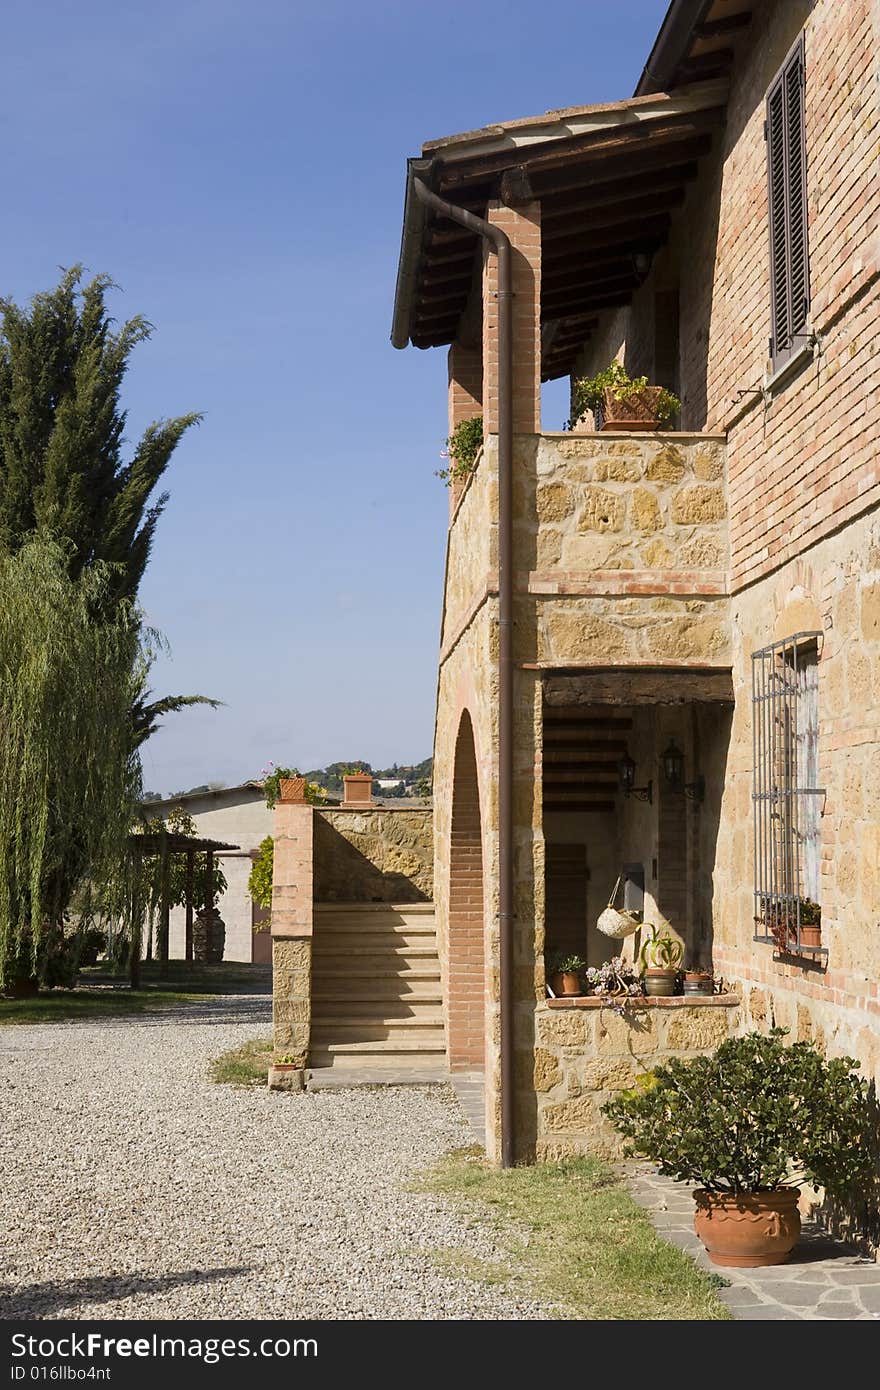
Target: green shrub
(462, 448)
(588, 393)
(754, 1116)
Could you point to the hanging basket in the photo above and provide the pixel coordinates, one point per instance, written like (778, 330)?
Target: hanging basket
(616, 922)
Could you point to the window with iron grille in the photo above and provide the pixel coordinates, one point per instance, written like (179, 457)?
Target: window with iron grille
(786, 797)
(784, 129)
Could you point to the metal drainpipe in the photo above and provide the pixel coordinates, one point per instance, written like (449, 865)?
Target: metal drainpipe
(501, 244)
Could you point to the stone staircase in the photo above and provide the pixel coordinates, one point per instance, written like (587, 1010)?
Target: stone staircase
(376, 999)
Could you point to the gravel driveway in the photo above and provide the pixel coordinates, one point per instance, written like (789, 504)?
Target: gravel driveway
(134, 1187)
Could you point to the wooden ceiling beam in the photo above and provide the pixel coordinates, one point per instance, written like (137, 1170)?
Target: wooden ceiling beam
(621, 190)
(582, 243)
(624, 212)
(596, 143)
(608, 170)
(727, 24)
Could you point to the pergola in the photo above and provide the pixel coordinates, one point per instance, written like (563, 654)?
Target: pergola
(163, 844)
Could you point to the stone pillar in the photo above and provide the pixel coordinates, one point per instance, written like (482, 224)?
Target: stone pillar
(523, 226)
(292, 897)
(465, 397)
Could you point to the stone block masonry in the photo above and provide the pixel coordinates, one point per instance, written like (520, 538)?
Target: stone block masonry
(585, 1051)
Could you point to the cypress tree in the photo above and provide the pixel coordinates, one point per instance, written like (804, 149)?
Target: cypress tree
(62, 467)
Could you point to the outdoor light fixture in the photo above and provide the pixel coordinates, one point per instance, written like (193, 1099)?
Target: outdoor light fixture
(673, 771)
(626, 774)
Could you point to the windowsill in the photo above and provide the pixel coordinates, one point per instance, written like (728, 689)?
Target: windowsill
(789, 366)
(656, 1001)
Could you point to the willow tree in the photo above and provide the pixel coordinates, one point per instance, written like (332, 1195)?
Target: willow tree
(70, 668)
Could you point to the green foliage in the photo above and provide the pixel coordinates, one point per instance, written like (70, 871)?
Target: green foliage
(260, 881)
(462, 448)
(62, 470)
(588, 393)
(178, 822)
(70, 664)
(272, 777)
(754, 1116)
(660, 951)
(247, 1065)
(561, 962)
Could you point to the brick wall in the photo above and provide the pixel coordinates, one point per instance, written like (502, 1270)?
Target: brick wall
(523, 227)
(466, 968)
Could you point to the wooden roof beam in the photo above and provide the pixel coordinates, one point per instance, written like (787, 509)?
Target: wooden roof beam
(600, 238)
(661, 181)
(597, 173)
(565, 151)
(623, 212)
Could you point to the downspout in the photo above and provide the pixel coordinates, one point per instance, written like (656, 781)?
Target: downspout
(500, 243)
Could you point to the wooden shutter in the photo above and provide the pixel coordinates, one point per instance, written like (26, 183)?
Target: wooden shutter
(787, 195)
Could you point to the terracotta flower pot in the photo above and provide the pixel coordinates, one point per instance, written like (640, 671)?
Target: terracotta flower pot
(564, 982)
(748, 1229)
(635, 411)
(660, 982)
(810, 935)
(291, 789)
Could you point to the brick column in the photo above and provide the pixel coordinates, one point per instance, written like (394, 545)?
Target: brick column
(465, 396)
(523, 226)
(292, 897)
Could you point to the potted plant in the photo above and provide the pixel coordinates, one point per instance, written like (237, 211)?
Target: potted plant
(613, 978)
(621, 402)
(285, 1073)
(697, 981)
(781, 920)
(749, 1124)
(564, 973)
(660, 961)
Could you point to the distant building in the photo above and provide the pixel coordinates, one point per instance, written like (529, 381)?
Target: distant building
(237, 816)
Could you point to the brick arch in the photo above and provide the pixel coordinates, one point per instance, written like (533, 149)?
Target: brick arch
(466, 975)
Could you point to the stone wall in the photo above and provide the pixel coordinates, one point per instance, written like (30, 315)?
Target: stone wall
(377, 855)
(585, 1052)
(834, 590)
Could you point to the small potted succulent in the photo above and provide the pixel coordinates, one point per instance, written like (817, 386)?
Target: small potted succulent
(698, 981)
(564, 973)
(660, 961)
(621, 402)
(749, 1124)
(614, 978)
(285, 1073)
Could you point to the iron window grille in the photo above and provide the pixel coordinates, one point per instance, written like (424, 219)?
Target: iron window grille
(787, 802)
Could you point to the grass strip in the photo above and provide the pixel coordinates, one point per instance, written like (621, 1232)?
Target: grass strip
(577, 1239)
(247, 1065)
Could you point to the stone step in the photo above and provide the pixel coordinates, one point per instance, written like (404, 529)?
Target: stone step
(356, 1001)
(372, 926)
(341, 940)
(391, 951)
(341, 1028)
(399, 1051)
(396, 971)
(378, 909)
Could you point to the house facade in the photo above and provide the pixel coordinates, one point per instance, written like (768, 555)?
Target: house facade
(702, 603)
(236, 816)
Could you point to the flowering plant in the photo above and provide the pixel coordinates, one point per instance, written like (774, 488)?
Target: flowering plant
(272, 777)
(614, 977)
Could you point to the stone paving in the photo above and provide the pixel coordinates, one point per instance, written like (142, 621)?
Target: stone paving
(823, 1280)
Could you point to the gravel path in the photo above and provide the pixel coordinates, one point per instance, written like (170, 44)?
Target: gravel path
(134, 1187)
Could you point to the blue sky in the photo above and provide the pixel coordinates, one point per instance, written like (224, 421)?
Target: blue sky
(237, 166)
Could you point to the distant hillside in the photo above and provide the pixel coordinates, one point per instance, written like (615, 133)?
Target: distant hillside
(414, 778)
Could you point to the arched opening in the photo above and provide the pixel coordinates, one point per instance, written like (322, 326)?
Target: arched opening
(466, 974)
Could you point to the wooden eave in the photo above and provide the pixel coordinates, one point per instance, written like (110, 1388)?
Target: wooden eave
(609, 181)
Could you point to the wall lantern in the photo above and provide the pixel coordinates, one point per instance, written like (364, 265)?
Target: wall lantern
(673, 771)
(626, 774)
